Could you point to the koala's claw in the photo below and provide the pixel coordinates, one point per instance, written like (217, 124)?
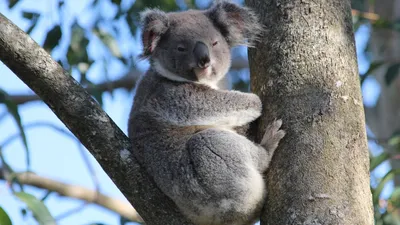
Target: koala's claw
(272, 136)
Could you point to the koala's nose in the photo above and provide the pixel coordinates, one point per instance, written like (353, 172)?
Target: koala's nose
(202, 54)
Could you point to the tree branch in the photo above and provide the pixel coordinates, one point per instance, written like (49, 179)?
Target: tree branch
(78, 192)
(87, 121)
(127, 82)
(366, 15)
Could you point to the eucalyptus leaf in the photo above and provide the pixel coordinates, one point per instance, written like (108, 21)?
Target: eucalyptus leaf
(13, 110)
(39, 210)
(395, 140)
(391, 73)
(372, 67)
(4, 218)
(77, 51)
(53, 38)
(12, 3)
(30, 15)
(378, 190)
(33, 17)
(109, 41)
(118, 2)
(378, 160)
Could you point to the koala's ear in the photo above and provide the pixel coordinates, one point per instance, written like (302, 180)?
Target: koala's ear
(239, 25)
(155, 23)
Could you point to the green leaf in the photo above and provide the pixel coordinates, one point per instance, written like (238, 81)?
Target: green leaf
(24, 213)
(7, 170)
(77, 51)
(191, 4)
(109, 41)
(30, 15)
(39, 210)
(132, 24)
(31, 27)
(95, 2)
(377, 160)
(123, 220)
(60, 3)
(166, 5)
(392, 73)
(12, 3)
(98, 96)
(382, 24)
(394, 140)
(118, 2)
(241, 85)
(33, 17)
(4, 218)
(395, 197)
(388, 176)
(372, 67)
(48, 193)
(13, 109)
(53, 38)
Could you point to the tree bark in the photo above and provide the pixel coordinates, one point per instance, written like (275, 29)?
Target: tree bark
(87, 121)
(305, 71)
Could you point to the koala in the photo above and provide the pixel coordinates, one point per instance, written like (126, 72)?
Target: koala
(183, 127)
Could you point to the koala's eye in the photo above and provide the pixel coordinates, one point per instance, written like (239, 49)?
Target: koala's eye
(215, 43)
(181, 48)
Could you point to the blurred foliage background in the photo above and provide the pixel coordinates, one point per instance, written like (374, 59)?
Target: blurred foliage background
(98, 42)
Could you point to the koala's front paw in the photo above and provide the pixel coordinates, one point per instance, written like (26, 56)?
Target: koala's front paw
(272, 136)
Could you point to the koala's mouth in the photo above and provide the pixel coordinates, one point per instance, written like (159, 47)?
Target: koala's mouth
(202, 73)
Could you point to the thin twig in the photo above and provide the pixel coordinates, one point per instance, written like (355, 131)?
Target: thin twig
(35, 125)
(3, 115)
(71, 211)
(77, 192)
(366, 15)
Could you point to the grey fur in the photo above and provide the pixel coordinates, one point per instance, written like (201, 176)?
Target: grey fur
(182, 129)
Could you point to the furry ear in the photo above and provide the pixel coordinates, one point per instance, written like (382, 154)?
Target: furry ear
(155, 23)
(239, 25)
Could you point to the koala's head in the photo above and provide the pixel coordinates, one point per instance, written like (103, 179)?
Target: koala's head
(195, 45)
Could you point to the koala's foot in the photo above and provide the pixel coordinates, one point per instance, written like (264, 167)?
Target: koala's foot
(272, 136)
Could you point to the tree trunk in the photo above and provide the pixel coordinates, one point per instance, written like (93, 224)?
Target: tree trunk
(305, 71)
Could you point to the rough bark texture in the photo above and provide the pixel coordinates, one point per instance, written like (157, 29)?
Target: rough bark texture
(87, 121)
(305, 71)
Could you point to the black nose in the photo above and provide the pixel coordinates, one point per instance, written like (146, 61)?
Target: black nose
(201, 54)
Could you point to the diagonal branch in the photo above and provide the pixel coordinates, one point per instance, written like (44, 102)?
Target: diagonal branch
(75, 107)
(78, 192)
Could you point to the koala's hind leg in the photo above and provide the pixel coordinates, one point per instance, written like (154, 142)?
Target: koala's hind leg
(228, 187)
(272, 136)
